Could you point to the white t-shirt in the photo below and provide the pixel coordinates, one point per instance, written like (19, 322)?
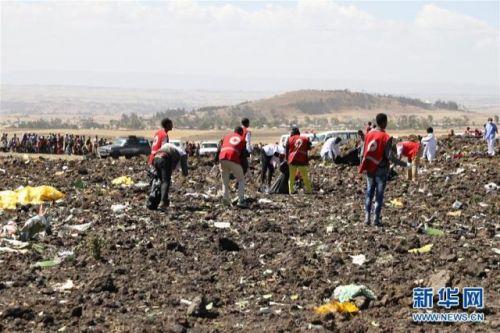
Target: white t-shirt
(330, 147)
(269, 150)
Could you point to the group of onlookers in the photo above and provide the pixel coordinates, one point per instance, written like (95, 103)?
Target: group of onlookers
(52, 143)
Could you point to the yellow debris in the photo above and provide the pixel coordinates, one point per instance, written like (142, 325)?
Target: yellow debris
(456, 213)
(123, 180)
(423, 249)
(396, 203)
(28, 195)
(335, 306)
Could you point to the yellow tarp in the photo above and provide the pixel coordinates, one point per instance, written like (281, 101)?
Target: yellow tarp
(123, 180)
(335, 306)
(28, 195)
(423, 249)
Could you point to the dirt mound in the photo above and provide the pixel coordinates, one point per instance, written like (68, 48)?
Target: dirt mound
(266, 267)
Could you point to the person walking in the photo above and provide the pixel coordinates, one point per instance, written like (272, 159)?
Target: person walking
(232, 153)
(377, 154)
(430, 145)
(490, 133)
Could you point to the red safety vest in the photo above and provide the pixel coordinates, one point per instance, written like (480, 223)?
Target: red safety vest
(232, 146)
(297, 150)
(373, 151)
(160, 138)
(410, 149)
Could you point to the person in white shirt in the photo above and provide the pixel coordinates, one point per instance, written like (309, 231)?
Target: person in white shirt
(430, 145)
(331, 149)
(269, 159)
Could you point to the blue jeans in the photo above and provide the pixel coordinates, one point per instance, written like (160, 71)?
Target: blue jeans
(375, 187)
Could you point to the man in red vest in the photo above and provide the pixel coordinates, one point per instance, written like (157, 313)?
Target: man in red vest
(297, 149)
(232, 153)
(377, 152)
(412, 151)
(160, 163)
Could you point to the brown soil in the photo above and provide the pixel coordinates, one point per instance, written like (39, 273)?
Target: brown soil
(159, 271)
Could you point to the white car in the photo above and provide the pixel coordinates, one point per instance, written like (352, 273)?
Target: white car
(177, 143)
(208, 147)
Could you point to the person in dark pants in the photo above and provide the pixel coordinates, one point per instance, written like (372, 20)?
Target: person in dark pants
(269, 154)
(377, 153)
(165, 163)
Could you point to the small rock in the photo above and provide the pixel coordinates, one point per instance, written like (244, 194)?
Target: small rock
(440, 279)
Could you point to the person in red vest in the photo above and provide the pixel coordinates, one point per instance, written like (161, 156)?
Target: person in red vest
(377, 153)
(232, 152)
(412, 151)
(297, 149)
(157, 160)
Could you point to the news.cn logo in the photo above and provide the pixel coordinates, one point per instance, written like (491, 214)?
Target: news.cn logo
(448, 298)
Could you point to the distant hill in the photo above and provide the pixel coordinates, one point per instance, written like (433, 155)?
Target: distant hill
(323, 102)
(319, 109)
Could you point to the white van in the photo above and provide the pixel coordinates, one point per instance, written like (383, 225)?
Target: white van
(344, 135)
(209, 147)
(311, 136)
(323, 136)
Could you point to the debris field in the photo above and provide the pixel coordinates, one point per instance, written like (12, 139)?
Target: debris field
(111, 265)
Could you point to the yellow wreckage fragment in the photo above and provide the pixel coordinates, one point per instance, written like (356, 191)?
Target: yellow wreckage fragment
(28, 195)
(335, 306)
(423, 249)
(123, 180)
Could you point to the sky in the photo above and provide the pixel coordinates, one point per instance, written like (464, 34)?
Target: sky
(366, 45)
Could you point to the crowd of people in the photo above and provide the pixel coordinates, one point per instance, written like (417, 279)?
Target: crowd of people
(376, 154)
(52, 143)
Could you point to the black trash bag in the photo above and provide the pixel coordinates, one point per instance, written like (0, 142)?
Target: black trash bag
(350, 158)
(280, 185)
(154, 196)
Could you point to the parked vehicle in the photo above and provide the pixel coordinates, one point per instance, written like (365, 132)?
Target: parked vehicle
(126, 146)
(177, 143)
(209, 147)
(323, 136)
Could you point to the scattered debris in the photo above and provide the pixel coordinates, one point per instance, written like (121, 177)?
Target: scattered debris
(359, 259)
(424, 249)
(335, 306)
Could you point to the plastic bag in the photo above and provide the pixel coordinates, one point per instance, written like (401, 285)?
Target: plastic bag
(123, 180)
(28, 195)
(347, 292)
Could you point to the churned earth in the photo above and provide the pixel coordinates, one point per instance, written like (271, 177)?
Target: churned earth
(263, 270)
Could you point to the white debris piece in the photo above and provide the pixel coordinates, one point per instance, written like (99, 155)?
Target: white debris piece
(222, 225)
(118, 208)
(359, 260)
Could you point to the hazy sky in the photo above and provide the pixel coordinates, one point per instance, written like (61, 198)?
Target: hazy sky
(312, 42)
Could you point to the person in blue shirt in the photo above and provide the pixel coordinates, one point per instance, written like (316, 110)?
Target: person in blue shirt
(490, 133)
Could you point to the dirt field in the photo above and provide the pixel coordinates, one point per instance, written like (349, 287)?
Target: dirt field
(180, 271)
